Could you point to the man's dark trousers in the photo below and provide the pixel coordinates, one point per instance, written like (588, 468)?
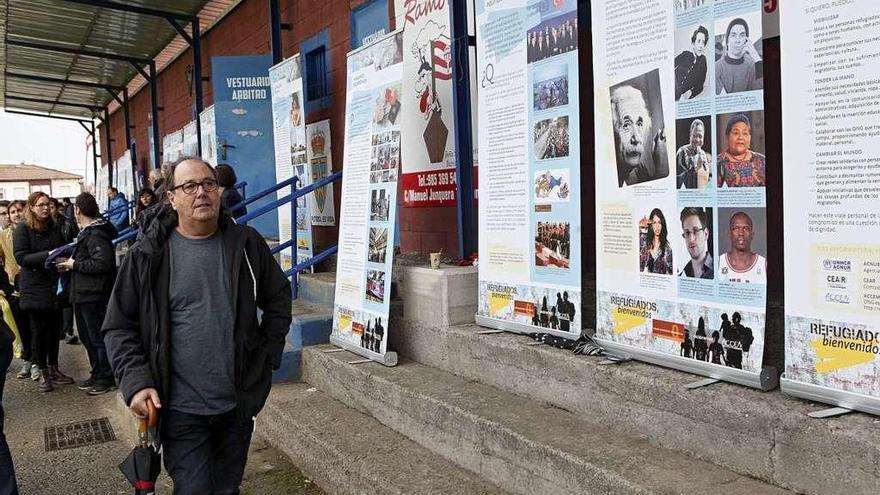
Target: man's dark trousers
(205, 454)
(89, 317)
(8, 485)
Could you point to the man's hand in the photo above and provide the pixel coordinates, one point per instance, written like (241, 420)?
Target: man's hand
(752, 52)
(138, 404)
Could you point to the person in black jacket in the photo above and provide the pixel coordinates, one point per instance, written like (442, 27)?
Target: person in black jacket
(229, 195)
(182, 330)
(7, 470)
(32, 240)
(93, 271)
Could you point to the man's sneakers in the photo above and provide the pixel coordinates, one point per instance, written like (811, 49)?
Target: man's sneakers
(71, 339)
(59, 377)
(100, 388)
(86, 384)
(35, 372)
(25, 371)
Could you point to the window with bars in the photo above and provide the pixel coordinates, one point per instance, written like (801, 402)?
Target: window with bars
(316, 74)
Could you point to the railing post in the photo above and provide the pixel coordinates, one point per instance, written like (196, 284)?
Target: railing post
(295, 247)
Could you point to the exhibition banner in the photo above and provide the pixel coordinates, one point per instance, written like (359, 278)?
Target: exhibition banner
(172, 146)
(288, 120)
(530, 215)
(209, 136)
(124, 176)
(832, 245)
(321, 164)
(373, 104)
(190, 139)
(428, 148)
(102, 182)
(680, 185)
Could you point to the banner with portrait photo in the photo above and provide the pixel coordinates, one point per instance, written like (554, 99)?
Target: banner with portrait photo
(209, 136)
(373, 106)
(529, 208)
(288, 120)
(832, 245)
(680, 185)
(319, 154)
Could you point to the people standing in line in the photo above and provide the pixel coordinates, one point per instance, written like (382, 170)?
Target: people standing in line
(182, 330)
(118, 209)
(157, 182)
(8, 485)
(32, 240)
(145, 199)
(67, 209)
(93, 270)
(69, 230)
(10, 266)
(229, 195)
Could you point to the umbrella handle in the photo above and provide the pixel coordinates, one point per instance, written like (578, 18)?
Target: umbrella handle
(144, 425)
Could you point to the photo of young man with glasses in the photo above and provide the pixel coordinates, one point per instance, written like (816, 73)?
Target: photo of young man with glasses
(696, 235)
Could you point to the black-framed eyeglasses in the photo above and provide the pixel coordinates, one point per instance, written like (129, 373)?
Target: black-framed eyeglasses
(208, 185)
(692, 233)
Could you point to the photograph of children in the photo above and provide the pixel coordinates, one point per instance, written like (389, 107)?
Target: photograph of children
(551, 186)
(379, 205)
(741, 161)
(693, 155)
(552, 37)
(725, 346)
(550, 89)
(691, 64)
(742, 238)
(373, 334)
(387, 105)
(738, 50)
(375, 286)
(552, 244)
(551, 138)
(558, 316)
(378, 245)
(655, 251)
(639, 135)
(696, 232)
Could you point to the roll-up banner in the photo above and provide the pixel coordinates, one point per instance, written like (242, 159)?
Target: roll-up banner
(209, 136)
(428, 148)
(529, 208)
(373, 105)
(680, 185)
(290, 155)
(320, 158)
(102, 182)
(172, 146)
(125, 175)
(191, 139)
(832, 245)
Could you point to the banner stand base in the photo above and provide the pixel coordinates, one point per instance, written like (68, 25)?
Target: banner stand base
(509, 326)
(387, 359)
(833, 396)
(331, 351)
(831, 412)
(767, 379)
(701, 383)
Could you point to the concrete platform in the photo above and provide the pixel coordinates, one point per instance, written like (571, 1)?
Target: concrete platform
(311, 325)
(442, 297)
(765, 435)
(318, 288)
(347, 452)
(522, 445)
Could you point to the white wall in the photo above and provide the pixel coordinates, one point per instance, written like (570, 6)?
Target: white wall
(66, 188)
(14, 190)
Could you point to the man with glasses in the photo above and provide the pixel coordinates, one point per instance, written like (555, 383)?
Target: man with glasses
(182, 330)
(741, 264)
(696, 237)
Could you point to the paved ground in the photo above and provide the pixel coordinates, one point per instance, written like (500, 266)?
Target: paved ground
(93, 469)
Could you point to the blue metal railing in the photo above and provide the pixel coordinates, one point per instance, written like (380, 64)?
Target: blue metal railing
(263, 194)
(111, 211)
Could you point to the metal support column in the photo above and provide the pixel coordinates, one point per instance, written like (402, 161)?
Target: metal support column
(275, 31)
(126, 114)
(154, 114)
(197, 79)
(95, 145)
(107, 139)
(464, 157)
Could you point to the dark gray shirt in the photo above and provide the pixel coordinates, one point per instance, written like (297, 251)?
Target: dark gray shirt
(202, 342)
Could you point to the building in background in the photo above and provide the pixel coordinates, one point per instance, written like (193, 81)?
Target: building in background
(18, 181)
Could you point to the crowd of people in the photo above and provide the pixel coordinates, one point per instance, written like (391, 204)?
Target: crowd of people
(551, 138)
(548, 41)
(552, 93)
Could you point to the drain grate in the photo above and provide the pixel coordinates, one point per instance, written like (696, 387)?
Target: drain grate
(79, 434)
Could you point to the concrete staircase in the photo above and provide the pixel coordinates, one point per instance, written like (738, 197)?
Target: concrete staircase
(312, 322)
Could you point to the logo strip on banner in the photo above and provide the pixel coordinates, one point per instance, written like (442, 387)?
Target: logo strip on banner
(373, 132)
(832, 250)
(321, 164)
(530, 215)
(680, 186)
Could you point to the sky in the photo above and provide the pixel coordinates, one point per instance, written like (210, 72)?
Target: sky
(52, 143)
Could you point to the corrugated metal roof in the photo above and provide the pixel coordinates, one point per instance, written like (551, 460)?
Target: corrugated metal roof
(27, 172)
(77, 26)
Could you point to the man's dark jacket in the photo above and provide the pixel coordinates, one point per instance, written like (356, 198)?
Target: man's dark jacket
(94, 268)
(137, 329)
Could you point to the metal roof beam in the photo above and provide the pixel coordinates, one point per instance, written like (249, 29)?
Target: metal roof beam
(55, 102)
(135, 9)
(58, 80)
(77, 51)
(82, 122)
(177, 27)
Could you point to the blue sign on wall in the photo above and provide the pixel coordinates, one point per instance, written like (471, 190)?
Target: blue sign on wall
(243, 112)
(368, 21)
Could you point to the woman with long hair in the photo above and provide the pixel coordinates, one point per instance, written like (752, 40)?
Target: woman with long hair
(145, 199)
(33, 239)
(229, 195)
(655, 253)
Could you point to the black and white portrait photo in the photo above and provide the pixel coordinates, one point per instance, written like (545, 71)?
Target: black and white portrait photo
(639, 134)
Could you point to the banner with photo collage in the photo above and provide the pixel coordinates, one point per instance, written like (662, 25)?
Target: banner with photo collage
(209, 136)
(529, 208)
(124, 176)
(191, 139)
(172, 146)
(288, 119)
(321, 164)
(373, 105)
(832, 245)
(680, 185)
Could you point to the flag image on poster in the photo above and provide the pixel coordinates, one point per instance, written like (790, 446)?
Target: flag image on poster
(290, 156)
(529, 153)
(373, 129)
(319, 155)
(190, 139)
(209, 136)
(680, 186)
(832, 248)
(428, 150)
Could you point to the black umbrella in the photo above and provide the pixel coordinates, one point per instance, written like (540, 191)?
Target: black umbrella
(142, 466)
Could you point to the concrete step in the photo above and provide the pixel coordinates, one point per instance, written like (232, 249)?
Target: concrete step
(318, 288)
(521, 445)
(765, 435)
(348, 452)
(311, 325)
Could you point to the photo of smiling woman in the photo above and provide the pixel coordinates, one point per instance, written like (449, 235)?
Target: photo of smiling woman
(655, 253)
(741, 164)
